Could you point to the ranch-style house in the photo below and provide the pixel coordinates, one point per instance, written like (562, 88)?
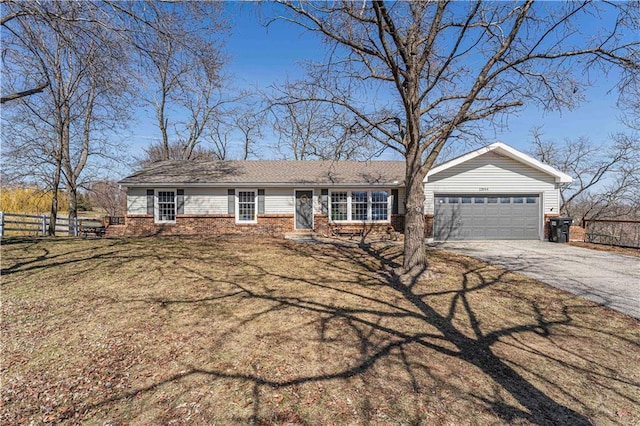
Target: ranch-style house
(494, 192)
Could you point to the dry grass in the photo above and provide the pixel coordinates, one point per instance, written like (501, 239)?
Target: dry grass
(169, 331)
(603, 247)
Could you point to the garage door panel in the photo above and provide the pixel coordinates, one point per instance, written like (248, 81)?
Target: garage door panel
(510, 217)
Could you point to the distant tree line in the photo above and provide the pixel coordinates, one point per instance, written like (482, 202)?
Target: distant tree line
(414, 78)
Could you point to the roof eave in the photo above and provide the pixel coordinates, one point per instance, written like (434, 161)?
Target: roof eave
(256, 184)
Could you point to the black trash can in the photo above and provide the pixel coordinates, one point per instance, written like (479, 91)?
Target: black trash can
(559, 229)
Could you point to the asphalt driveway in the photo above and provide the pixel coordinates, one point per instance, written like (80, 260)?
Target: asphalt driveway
(610, 279)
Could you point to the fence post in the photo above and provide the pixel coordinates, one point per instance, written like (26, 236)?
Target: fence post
(75, 226)
(1, 224)
(44, 225)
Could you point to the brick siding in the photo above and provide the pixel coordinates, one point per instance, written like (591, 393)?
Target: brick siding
(270, 224)
(547, 227)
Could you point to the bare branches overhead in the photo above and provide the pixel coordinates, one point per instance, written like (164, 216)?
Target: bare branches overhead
(420, 74)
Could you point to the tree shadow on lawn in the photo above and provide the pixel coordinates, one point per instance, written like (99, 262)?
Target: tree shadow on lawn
(454, 332)
(448, 339)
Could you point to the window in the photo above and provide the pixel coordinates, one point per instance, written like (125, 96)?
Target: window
(454, 200)
(339, 206)
(505, 200)
(246, 206)
(532, 200)
(492, 200)
(379, 205)
(518, 200)
(360, 206)
(466, 200)
(166, 211)
(479, 200)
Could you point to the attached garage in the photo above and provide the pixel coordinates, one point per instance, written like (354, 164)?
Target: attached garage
(494, 193)
(492, 217)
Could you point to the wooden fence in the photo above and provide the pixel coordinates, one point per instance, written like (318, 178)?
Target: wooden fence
(615, 232)
(14, 224)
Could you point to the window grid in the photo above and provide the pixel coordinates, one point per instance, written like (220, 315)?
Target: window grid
(166, 206)
(379, 205)
(246, 206)
(339, 206)
(359, 206)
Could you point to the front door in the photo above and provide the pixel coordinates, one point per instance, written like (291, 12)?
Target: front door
(304, 210)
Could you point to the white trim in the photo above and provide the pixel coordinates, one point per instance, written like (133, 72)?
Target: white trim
(251, 185)
(237, 209)
(156, 205)
(295, 209)
(541, 216)
(508, 151)
(369, 204)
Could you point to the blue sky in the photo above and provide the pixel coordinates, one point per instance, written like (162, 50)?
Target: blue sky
(261, 56)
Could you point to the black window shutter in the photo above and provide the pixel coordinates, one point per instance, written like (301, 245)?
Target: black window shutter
(395, 200)
(260, 201)
(180, 201)
(324, 201)
(150, 201)
(232, 201)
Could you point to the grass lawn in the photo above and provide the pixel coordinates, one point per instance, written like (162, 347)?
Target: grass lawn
(236, 331)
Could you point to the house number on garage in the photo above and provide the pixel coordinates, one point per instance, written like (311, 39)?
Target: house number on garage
(483, 189)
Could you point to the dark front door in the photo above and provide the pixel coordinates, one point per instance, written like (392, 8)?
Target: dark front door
(304, 210)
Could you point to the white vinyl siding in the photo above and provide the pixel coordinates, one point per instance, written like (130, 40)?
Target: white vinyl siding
(205, 201)
(136, 201)
(213, 200)
(492, 174)
(278, 201)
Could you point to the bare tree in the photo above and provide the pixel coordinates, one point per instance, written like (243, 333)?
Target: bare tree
(440, 71)
(606, 175)
(107, 195)
(314, 130)
(158, 152)
(83, 99)
(182, 63)
(237, 132)
(25, 10)
(249, 124)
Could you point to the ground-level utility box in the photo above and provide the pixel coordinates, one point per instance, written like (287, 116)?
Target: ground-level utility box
(559, 229)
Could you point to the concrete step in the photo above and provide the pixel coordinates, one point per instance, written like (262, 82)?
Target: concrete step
(300, 236)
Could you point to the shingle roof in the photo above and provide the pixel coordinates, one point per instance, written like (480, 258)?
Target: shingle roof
(269, 172)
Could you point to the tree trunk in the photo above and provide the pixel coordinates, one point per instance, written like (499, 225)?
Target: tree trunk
(54, 200)
(72, 197)
(414, 248)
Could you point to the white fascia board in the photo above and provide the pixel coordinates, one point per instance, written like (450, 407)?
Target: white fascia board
(503, 149)
(394, 184)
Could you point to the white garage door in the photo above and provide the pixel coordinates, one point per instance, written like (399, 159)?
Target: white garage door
(486, 217)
